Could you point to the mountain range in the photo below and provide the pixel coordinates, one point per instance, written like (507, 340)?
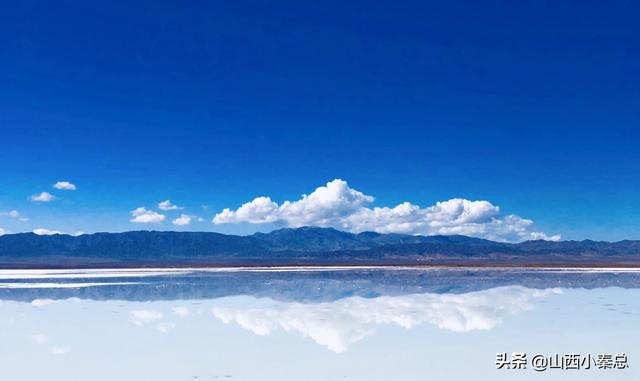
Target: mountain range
(300, 246)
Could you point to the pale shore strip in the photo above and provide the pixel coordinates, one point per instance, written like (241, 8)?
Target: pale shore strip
(33, 285)
(17, 274)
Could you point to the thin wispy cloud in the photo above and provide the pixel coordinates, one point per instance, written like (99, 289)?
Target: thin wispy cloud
(338, 205)
(167, 205)
(64, 185)
(144, 216)
(42, 231)
(15, 215)
(43, 197)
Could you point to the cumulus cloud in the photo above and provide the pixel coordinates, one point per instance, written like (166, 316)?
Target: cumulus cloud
(142, 215)
(64, 185)
(3, 232)
(43, 197)
(42, 231)
(336, 325)
(323, 207)
(340, 206)
(184, 219)
(167, 205)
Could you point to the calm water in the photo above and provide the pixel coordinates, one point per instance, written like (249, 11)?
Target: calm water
(392, 324)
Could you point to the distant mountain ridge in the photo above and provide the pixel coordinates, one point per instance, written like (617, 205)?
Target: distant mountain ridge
(300, 246)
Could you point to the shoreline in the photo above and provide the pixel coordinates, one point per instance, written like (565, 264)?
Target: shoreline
(302, 268)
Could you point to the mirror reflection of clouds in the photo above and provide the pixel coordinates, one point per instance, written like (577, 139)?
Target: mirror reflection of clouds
(149, 316)
(141, 317)
(39, 338)
(60, 350)
(42, 339)
(45, 302)
(336, 325)
(181, 311)
(182, 337)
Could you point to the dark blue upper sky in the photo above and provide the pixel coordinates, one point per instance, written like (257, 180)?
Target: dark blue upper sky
(531, 105)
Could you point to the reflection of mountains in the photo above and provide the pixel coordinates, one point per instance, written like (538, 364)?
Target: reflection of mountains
(340, 323)
(313, 286)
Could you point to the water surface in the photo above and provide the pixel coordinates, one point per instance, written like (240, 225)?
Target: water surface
(305, 324)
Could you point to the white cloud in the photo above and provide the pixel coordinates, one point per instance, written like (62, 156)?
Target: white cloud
(323, 207)
(543, 236)
(140, 317)
(142, 215)
(3, 232)
(64, 185)
(61, 350)
(336, 325)
(43, 197)
(339, 206)
(184, 219)
(167, 205)
(42, 231)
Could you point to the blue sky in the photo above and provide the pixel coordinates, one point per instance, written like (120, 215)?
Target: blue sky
(531, 106)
